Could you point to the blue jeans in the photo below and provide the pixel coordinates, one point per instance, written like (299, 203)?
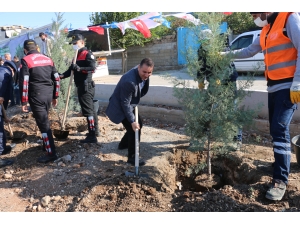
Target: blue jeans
(281, 111)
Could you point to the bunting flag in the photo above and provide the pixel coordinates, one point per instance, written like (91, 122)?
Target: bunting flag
(144, 22)
(142, 27)
(97, 29)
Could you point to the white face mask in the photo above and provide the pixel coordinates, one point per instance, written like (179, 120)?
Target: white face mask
(75, 47)
(260, 23)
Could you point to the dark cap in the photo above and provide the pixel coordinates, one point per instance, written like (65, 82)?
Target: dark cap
(75, 38)
(42, 33)
(11, 65)
(29, 43)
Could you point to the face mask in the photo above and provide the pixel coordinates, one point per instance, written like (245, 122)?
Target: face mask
(260, 23)
(75, 47)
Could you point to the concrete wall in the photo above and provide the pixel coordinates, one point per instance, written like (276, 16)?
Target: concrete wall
(163, 95)
(163, 52)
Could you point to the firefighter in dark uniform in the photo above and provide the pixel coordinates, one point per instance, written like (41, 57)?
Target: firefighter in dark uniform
(39, 85)
(83, 71)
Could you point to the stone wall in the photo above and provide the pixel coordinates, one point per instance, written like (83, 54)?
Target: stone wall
(163, 52)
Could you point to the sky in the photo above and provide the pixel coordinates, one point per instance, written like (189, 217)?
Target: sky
(39, 19)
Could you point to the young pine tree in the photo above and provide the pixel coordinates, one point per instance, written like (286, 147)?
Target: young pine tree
(214, 114)
(62, 55)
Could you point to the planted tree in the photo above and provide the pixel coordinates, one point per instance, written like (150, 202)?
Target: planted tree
(213, 114)
(62, 54)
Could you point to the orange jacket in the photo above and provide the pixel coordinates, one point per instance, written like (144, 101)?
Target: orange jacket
(280, 53)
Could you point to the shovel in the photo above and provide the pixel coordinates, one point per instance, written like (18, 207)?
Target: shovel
(63, 134)
(20, 135)
(136, 163)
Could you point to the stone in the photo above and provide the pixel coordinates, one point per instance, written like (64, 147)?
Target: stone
(45, 201)
(7, 176)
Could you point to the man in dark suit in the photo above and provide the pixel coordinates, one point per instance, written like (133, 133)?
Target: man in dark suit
(132, 86)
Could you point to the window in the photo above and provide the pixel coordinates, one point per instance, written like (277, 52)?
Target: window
(242, 42)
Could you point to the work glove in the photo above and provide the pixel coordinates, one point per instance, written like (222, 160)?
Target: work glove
(201, 85)
(218, 82)
(295, 92)
(75, 67)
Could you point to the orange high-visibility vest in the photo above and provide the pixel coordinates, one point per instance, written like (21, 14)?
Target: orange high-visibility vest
(280, 53)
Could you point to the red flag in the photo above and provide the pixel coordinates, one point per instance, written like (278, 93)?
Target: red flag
(142, 27)
(97, 29)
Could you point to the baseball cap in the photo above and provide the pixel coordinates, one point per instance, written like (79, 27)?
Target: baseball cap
(28, 43)
(75, 38)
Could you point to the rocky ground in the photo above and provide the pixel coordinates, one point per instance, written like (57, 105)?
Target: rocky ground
(92, 177)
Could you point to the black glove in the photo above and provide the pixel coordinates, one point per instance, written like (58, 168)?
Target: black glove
(61, 76)
(75, 67)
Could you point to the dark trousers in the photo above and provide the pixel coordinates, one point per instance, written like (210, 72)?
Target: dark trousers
(2, 135)
(12, 95)
(17, 95)
(281, 111)
(86, 95)
(40, 106)
(129, 137)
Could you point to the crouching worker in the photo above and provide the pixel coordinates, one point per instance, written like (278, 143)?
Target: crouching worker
(132, 86)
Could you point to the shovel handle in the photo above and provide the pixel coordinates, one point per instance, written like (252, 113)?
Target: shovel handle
(68, 93)
(5, 118)
(136, 163)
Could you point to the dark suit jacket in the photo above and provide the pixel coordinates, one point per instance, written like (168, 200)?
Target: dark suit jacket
(126, 96)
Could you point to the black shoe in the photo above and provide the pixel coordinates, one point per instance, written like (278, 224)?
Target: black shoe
(122, 147)
(5, 162)
(132, 161)
(89, 139)
(97, 134)
(47, 158)
(8, 149)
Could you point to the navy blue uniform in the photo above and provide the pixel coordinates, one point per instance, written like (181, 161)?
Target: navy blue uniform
(5, 90)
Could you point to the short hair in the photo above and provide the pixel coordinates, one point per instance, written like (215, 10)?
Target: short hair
(147, 62)
(16, 57)
(41, 33)
(7, 53)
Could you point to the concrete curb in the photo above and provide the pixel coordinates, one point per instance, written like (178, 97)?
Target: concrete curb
(177, 117)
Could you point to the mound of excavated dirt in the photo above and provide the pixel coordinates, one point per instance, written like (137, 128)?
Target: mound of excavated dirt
(91, 177)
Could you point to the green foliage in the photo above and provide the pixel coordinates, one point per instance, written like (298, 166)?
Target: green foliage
(213, 115)
(20, 51)
(240, 22)
(62, 54)
(133, 37)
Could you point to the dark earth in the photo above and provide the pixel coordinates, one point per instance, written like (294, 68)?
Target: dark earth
(91, 177)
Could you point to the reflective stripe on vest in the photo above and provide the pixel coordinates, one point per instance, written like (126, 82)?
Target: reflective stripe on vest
(280, 53)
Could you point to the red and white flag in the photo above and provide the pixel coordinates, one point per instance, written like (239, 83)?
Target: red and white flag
(142, 27)
(97, 29)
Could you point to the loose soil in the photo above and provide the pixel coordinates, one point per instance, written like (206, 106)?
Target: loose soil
(91, 177)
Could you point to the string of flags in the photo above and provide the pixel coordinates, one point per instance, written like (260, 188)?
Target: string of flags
(143, 23)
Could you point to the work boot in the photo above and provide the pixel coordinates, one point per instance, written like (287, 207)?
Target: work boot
(96, 108)
(48, 142)
(47, 158)
(8, 149)
(276, 191)
(5, 162)
(91, 137)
